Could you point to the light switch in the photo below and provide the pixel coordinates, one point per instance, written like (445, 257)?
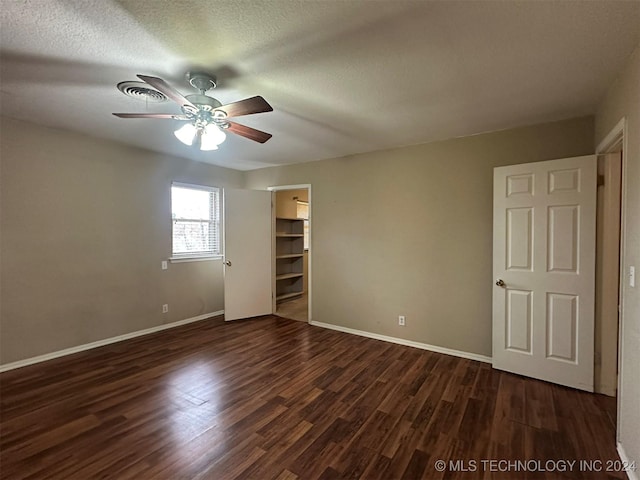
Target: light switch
(632, 276)
(164, 264)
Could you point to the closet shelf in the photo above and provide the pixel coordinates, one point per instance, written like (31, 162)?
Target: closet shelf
(285, 276)
(289, 295)
(290, 255)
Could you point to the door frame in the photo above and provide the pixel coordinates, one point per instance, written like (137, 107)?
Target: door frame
(307, 186)
(615, 139)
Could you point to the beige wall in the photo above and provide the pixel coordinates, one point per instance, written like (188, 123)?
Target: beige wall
(623, 100)
(409, 231)
(85, 225)
(405, 231)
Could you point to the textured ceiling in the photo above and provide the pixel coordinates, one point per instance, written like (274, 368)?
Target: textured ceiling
(343, 76)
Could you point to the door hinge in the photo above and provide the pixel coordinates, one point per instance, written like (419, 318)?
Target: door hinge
(600, 180)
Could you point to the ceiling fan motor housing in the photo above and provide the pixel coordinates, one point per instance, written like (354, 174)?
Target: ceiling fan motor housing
(207, 110)
(201, 80)
(204, 102)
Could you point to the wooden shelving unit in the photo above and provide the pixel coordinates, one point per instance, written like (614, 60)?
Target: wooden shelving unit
(289, 258)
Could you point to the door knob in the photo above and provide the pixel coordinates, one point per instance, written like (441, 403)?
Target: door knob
(500, 283)
(227, 263)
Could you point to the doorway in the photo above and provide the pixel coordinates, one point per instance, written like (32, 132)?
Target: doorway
(608, 272)
(516, 320)
(544, 265)
(291, 252)
(612, 149)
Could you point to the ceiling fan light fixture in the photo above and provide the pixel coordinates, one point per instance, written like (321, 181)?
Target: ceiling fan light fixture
(187, 133)
(206, 117)
(211, 137)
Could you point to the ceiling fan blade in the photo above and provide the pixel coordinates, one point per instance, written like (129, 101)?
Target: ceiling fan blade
(152, 115)
(248, 132)
(167, 89)
(247, 106)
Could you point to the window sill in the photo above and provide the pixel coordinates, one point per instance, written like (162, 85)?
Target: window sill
(194, 259)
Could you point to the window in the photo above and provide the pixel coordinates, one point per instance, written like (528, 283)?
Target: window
(195, 213)
(303, 212)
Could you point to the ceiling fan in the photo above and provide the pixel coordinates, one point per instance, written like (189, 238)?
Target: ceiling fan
(206, 118)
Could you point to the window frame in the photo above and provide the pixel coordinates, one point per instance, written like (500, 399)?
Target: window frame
(215, 222)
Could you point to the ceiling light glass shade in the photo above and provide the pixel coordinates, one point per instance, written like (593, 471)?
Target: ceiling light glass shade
(211, 137)
(187, 133)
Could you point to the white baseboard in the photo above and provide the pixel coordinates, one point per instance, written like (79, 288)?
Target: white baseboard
(408, 343)
(633, 475)
(106, 341)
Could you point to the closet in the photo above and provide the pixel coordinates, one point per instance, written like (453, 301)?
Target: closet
(291, 252)
(289, 258)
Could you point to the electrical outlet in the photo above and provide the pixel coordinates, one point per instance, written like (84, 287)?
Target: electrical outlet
(164, 265)
(401, 320)
(165, 308)
(632, 276)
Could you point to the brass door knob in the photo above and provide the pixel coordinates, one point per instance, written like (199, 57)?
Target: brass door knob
(227, 263)
(500, 283)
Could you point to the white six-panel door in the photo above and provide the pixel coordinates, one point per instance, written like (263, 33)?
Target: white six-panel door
(247, 253)
(544, 268)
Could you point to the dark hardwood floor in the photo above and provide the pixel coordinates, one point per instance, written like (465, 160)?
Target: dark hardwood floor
(271, 398)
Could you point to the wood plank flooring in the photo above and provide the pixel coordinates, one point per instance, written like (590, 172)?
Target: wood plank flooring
(271, 398)
(295, 309)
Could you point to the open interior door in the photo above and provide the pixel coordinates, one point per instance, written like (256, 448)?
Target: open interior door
(247, 253)
(544, 221)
